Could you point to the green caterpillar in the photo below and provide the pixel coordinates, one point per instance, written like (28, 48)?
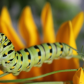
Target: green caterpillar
(14, 62)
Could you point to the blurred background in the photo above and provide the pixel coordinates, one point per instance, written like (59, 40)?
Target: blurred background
(62, 10)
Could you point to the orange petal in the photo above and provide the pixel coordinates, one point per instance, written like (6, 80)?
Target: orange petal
(78, 77)
(7, 77)
(30, 33)
(47, 23)
(65, 35)
(77, 23)
(8, 30)
(28, 28)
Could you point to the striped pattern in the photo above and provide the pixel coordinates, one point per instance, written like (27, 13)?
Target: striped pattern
(29, 57)
(39, 53)
(50, 51)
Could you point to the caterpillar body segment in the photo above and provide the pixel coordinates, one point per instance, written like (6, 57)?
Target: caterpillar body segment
(12, 61)
(38, 54)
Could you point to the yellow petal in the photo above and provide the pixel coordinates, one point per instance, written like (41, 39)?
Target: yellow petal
(65, 35)
(5, 15)
(47, 24)
(48, 35)
(77, 23)
(28, 28)
(7, 77)
(8, 30)
(78, 77)
(30, 33)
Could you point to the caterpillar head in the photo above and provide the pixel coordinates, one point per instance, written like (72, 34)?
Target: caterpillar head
(3, 38)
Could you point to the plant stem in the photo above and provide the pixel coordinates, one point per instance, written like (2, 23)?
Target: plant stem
(3, 74)
(47, 74)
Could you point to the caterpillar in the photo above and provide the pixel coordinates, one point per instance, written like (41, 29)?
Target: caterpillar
(14, 62)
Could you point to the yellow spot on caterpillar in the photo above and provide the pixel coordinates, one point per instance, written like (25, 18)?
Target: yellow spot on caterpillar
(60, 51)
(21, 62)
(29, 60)
(28, 67)
(27, 53)
(16, 60)
(37, 50)
(49, 59)
(38, 62)
(5, 44)
(16, 54)
(13, 67)
(50, 54)
(14, 57)
(6, 53)
(3, 39)
(49, 47)
(39, 57)
(20, 54)
(8, 61)
(12, 49)
(18, 69)
(61, 46)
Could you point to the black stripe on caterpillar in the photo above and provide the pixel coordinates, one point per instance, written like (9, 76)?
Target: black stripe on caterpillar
(23, 60)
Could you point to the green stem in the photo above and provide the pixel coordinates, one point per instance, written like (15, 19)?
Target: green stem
(47, 74)
(23, 80)
(77, 56)
(3, 74)
(75, 50)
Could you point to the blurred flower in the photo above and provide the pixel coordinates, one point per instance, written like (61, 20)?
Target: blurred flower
(78, 78)
(67, 33)
(8, 30)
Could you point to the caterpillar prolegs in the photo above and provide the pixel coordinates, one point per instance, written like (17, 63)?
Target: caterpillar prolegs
(14, 62)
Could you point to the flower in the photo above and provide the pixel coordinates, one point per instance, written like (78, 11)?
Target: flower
(78, 77)
(67, 33)
(8, 30)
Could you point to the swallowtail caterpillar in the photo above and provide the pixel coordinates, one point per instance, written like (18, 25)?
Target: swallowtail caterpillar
(14, 62)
